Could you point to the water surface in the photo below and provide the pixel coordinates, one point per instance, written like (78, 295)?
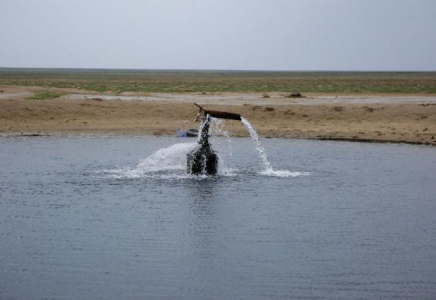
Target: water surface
(93, 218)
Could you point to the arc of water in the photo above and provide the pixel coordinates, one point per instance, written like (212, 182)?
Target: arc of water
(259, 146)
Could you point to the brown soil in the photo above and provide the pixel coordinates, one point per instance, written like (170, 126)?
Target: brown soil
(413, 122)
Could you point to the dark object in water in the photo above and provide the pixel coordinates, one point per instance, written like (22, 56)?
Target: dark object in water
(203, 160)
(192, 133)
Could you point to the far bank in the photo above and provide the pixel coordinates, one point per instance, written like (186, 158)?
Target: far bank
(408, 119)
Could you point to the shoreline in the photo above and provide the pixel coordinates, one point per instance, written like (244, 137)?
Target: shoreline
(364, 118)
(90, 134)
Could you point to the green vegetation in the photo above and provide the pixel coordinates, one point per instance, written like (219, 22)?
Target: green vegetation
(45, 96)
(118, 81)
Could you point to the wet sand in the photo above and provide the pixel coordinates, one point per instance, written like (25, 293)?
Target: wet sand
(372, 118)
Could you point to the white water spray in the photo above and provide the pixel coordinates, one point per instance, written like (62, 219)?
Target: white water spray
(171, 158)
(170, 162)
(217, 129)
(268, 170)
(258, 144)
(165, 163)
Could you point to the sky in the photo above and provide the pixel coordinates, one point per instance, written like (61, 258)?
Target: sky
(283, 35)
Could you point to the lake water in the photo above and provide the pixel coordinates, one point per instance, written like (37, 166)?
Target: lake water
(108, 217)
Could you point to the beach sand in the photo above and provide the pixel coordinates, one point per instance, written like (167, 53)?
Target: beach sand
(371, 118)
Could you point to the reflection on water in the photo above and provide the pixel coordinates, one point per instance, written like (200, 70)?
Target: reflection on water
(94, 218)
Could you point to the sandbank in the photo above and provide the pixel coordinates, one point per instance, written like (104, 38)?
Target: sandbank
(403, 118)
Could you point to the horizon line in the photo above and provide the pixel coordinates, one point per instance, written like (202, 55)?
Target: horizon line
(217, 70)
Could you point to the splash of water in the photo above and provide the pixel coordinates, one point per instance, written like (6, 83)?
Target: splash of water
(217, 129)
(259, 146)
(268, 170)
(171, 158)
(166, 163)
(170, 162)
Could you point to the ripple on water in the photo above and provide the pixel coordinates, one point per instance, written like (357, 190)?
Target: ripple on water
(80, 228)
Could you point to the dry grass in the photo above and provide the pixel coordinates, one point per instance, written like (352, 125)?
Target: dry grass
(224, 81)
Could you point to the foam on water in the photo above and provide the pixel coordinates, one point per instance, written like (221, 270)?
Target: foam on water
(283, 173)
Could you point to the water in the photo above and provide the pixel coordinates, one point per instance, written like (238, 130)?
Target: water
(267, 168)
(96, 218)
(259, 146)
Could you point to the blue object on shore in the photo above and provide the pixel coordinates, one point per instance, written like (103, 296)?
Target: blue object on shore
(189, 133)
(180, 133)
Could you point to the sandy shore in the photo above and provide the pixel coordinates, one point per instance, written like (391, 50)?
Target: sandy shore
(375, 118)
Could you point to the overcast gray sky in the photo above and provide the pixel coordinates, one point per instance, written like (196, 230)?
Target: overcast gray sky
(381, 35)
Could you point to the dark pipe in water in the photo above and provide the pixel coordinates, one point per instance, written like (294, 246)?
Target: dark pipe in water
(203, 160)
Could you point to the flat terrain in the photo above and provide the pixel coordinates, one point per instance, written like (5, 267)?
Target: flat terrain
(380, 107)
(370, 118)
(118, 81)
